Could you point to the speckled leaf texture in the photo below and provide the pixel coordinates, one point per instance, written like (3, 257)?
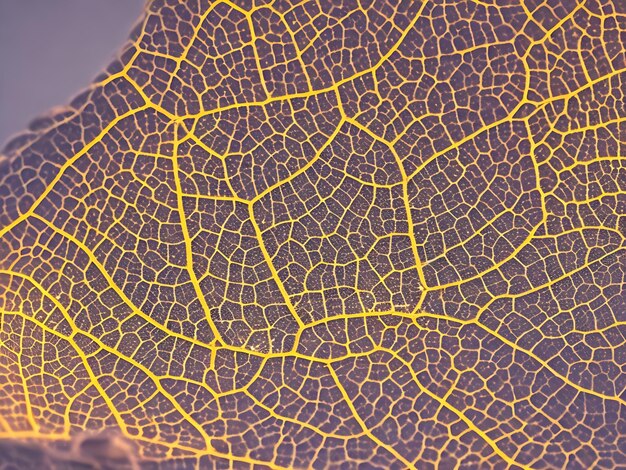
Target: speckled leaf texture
(325, 234)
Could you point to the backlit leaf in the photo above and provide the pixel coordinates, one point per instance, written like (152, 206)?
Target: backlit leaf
(387, 234)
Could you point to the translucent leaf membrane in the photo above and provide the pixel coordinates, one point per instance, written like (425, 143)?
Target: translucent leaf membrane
(325, 235)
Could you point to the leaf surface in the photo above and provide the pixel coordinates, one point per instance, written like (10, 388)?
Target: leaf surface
(326, 234)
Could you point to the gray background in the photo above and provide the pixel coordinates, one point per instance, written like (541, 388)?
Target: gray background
(51, 49)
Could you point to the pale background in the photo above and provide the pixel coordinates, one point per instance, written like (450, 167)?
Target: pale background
(51, 49)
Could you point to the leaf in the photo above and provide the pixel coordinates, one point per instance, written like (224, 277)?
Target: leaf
(326, 234)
